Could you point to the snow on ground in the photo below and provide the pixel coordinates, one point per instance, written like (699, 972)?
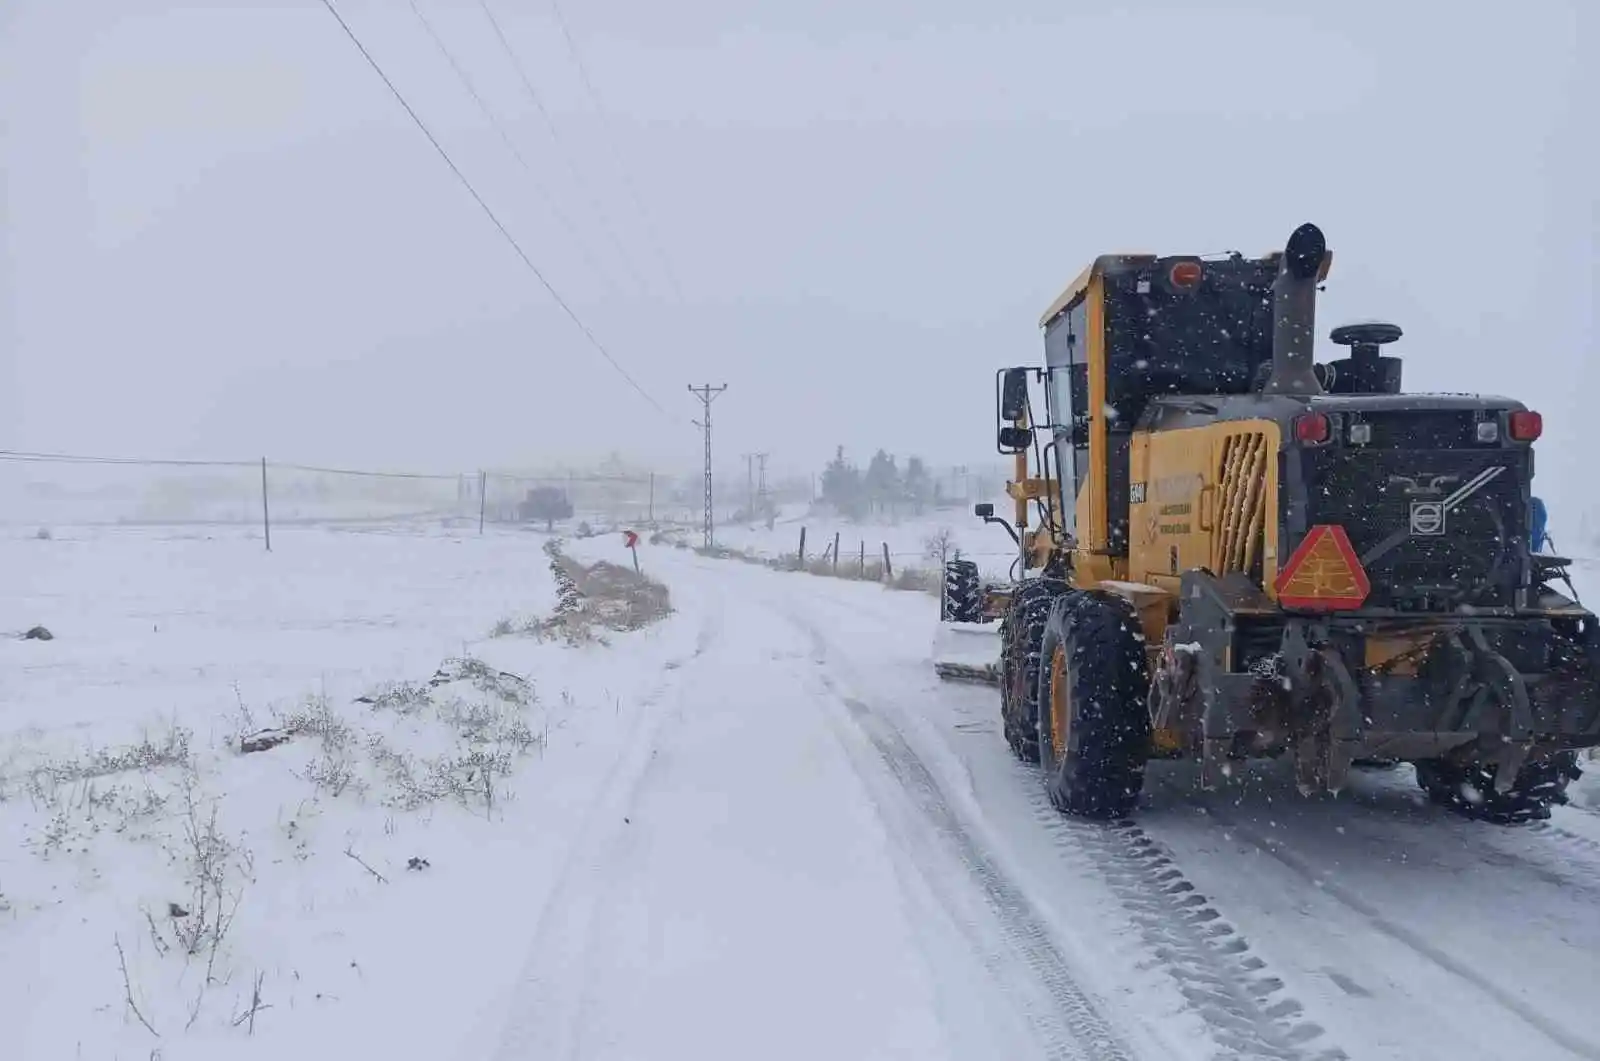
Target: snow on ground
(760, 821)
(1372, 924)
(914, 540)
(118, 745)
(1251, 924)
(766, 875)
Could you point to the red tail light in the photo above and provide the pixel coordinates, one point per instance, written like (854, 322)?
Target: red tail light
(1311, 429)
(1185, 274)
(1526, 426)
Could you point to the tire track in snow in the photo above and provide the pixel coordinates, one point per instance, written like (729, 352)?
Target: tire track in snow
(1246, 1008)
(542, 1016)
(1548, 850)
(1140, 867)
(1072, 1026)
(1413, 941)
(1541, 887)
(1581, 855)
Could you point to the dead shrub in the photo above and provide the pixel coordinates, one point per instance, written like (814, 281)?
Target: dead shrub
(317, 718)
(403, 698)
(333, 772)
(212, 862)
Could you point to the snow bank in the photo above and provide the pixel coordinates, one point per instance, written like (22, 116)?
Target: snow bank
(341, 886)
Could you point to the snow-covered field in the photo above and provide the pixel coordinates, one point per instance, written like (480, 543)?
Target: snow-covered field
(761, 825)
(118, 745)
(913, 540)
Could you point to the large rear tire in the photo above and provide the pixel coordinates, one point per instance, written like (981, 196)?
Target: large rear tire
(1021, 639)
(963, 594)
(1469, 789)
(1094, 727)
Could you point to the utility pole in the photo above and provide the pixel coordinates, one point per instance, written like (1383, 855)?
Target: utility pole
(750, 487)
(761, 482)
(707, 394)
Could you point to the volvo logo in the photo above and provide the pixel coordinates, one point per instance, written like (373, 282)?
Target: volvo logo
(1427, 518)
(1423, 484)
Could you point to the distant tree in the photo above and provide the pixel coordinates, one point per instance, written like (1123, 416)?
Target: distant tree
(882, 481)
(940, 546)
(841, 486)
(919, 484)
(547, 503)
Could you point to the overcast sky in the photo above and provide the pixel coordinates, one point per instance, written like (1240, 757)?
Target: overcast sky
(223, 237)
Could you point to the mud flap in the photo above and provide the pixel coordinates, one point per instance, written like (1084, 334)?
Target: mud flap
(1327, 731)
(1500, 679)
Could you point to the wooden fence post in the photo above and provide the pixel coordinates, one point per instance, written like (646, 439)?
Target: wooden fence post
(888, 572)
(801, 555)
(863, 572)
(836, 552)
(944, 583)
(266, 518)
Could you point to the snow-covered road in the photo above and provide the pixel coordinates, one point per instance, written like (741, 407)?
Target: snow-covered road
(772, 864)
(817, 847)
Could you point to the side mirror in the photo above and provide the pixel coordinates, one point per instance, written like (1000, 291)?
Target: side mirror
(984, 511)
(1013, 394)
(1015, 439)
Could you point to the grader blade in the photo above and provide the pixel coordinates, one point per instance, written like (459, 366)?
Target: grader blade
(967, 652)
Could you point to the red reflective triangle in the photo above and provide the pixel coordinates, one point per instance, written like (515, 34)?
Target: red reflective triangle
(1323, 573)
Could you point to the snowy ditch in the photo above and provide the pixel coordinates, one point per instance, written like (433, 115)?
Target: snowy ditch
(178, 873)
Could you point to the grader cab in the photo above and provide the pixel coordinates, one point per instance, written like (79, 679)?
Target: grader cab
(1226, 549)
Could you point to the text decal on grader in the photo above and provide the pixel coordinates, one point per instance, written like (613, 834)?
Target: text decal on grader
(1323, 573)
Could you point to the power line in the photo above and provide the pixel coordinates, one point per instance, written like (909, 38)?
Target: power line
(555, 136)
(627, 176)
(462, 177)
(635, 480)
(488, 113)
(360, 473)
(25, 457)
(32, 457)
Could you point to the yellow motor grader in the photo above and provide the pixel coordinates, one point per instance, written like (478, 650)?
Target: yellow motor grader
(1227, 550)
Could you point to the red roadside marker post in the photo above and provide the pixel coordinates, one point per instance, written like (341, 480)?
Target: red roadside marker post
(630, 541)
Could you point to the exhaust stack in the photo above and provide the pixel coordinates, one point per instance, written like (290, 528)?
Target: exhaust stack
(1294, 313)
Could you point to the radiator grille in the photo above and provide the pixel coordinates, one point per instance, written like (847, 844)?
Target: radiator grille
(1241, 502)
(1435, 529)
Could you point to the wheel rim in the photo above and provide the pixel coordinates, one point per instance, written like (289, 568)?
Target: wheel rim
(1060, 703)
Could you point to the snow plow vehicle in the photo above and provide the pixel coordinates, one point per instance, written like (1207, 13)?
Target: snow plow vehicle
(1240, 552)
